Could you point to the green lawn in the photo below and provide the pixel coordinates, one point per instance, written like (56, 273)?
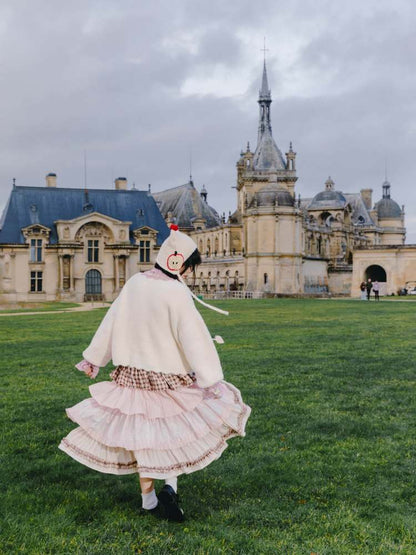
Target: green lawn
(38, 307)
(327, 467)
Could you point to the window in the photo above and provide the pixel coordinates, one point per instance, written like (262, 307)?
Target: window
(144, 251)
(36, 282)
(36, 250)
(93, 249)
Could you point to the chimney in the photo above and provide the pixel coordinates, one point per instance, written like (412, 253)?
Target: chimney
(366, 195)
(51, 180)
(121, 183)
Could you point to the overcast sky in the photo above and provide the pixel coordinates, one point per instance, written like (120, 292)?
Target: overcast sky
(143, 85)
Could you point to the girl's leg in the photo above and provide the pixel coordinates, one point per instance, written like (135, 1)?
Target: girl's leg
(173, 483)
(147, 485)
(149, 499)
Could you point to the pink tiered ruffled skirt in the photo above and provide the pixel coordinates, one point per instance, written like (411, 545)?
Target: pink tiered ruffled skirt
(157, 425)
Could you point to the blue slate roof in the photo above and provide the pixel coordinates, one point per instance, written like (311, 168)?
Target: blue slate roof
(45, 205)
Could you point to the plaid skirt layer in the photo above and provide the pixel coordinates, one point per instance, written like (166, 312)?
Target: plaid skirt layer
(155, 424)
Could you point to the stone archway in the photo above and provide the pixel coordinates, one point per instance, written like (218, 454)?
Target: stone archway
(376, 273)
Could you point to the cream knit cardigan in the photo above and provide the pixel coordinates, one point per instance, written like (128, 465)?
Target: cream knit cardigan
(154, 325)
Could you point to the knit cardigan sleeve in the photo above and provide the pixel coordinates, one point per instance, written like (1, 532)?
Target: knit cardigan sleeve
(99, 352)
(197, 344)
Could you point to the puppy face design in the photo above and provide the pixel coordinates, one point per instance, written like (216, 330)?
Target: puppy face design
(175, 262)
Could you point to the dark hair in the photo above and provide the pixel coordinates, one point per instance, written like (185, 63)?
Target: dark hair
(192, 261)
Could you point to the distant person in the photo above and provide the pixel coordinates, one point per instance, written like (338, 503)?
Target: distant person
(376, 289)
(363, 291)
(368, 286)
(167, 410)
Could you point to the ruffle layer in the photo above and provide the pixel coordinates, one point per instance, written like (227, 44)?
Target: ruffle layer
(122, 439)
(136, 431)
(153, 404)
(148, 462)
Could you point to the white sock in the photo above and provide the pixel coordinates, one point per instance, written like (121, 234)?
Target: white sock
(149, 500)
(173, 483)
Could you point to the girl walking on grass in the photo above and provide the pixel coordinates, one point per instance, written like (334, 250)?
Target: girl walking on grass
(167, 410)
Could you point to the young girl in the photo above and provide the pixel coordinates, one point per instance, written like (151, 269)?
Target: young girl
(167, 410)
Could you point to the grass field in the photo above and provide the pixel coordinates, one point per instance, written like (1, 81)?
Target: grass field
(37, 307)
(327, 467)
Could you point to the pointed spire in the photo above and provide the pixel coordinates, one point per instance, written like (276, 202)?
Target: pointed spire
(267, 155)
(264, 93)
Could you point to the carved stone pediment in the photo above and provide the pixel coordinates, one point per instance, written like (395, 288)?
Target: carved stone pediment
(36, 230)
(93, 224)
(145, 232)
(94, 229)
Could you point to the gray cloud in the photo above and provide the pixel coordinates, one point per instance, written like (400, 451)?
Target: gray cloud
(109, 77)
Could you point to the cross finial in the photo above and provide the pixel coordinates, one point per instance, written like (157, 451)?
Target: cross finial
(14, 182)
(264, 49)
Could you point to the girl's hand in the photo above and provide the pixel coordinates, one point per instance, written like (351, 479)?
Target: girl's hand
(89, 369)
(213, 392)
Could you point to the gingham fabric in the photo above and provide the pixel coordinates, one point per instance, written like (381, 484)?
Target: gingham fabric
(127, 376)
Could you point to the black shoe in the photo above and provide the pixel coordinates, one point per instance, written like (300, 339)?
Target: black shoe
(155, 512)
(169, 507)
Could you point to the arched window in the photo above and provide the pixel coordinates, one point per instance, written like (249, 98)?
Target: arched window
(375, 273)
(326, 218)
(93, 283)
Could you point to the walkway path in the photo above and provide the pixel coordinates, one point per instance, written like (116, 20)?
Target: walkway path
(83, 308)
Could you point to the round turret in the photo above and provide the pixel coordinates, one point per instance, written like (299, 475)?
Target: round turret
(387, 207)
(272, 195)
(328, 199)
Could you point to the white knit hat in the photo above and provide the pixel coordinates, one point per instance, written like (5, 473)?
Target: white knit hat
(177, 248)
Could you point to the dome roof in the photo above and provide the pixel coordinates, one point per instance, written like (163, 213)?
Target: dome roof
(272, 195)
(328, 199)
(388, 208)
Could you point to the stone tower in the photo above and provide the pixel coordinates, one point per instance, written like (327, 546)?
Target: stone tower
(272, 223)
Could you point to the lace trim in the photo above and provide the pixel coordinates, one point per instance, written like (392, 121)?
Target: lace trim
(158, 469)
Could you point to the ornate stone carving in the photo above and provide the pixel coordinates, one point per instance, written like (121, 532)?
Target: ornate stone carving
(94, 229)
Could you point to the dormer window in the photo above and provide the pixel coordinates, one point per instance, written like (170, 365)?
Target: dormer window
(36, 250)
(146, 241)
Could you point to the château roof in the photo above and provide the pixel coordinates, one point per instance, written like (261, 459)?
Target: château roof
(45, 205)
(329, 200)
(272, 195)
(267, 155)
(186, 205)
(388, 208)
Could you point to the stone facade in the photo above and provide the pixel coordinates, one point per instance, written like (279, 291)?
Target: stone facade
(77, 245)
(87, 257)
